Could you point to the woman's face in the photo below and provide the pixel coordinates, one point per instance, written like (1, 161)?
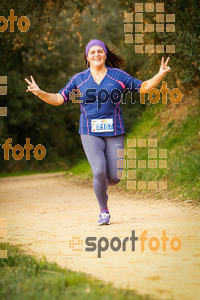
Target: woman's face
(96, 56)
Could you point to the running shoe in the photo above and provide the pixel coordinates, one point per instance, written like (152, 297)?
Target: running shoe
(104, 219)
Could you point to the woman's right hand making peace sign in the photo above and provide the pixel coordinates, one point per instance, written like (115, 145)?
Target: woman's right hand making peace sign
(33, 87)
(50, 98)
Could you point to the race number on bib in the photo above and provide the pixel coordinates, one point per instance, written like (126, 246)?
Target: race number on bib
(102, 125)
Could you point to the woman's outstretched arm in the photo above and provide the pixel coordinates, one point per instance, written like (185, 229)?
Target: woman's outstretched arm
(50, 98)
(151, 83)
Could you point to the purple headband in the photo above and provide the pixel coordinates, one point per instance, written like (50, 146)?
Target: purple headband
(95, 43)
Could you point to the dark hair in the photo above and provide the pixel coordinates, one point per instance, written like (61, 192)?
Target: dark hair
(113, 60)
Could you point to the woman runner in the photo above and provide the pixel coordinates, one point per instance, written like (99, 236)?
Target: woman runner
(101, 125)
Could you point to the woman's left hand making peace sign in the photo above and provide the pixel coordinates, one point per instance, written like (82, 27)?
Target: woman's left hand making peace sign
(164, 69)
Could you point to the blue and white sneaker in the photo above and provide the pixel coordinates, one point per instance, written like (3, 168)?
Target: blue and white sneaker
(104, 219)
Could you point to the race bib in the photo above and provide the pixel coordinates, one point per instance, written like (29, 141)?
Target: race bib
(102, 125)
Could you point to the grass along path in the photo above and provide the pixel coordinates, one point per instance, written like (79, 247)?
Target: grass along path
(26, 277)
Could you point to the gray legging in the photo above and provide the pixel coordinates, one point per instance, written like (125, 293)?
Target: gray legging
(101, 153)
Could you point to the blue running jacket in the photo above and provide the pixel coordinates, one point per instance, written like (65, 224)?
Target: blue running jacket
(101, 113)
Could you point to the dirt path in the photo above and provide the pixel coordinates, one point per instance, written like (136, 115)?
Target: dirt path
(45, 212)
